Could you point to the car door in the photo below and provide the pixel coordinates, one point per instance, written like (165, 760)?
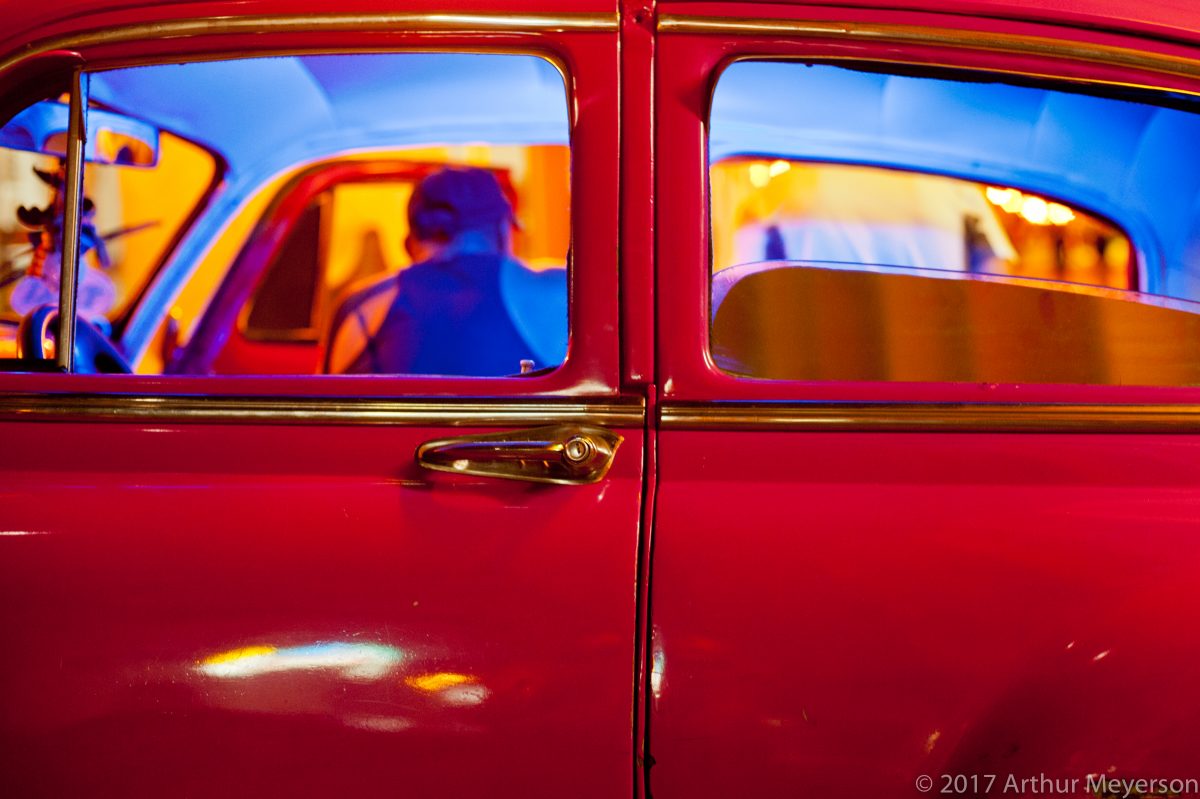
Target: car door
(253, 585)
(906, 543)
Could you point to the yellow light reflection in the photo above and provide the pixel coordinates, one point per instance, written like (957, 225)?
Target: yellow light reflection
(760, 175)
(1060, 214)
(439, 681)
(1001, 197)
(450, 687)
(1035, 210)
(237, 654)
(777, 168)
(353, 661)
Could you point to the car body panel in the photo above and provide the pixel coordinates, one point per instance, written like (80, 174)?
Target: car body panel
(856, 585)
(320, 614)
(248, 584)
(850, 611)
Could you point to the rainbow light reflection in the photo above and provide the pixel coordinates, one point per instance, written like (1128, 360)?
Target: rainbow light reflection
(351, 661)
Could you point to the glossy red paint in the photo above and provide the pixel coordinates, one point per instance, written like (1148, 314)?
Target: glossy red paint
(31, 23)
(254, 608)
(837, 614)
(1167, 18)
(843, 613)
(433, 634)
(637, 189)
(638, 331)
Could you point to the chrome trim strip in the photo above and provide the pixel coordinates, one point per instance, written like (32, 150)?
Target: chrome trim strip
(933, 417)
(1178, 66)
(64, 348)
(321, 23)
(515, 411)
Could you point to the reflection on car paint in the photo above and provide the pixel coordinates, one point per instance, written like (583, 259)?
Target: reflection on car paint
(658, 666)
(349, 660)
(451, 687)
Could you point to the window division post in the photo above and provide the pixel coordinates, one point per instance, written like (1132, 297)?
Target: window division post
(72, 219)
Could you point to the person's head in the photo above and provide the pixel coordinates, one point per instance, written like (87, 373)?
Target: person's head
(461, 207)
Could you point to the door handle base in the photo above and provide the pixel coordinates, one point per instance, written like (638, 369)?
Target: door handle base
(568, 454)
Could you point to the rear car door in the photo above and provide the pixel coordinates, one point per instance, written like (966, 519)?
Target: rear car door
(925, 522)
(250, 585)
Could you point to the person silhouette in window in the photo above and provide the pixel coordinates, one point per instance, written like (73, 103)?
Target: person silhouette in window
(464, 306)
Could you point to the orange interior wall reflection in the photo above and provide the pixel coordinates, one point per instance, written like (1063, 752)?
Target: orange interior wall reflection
(775, 209)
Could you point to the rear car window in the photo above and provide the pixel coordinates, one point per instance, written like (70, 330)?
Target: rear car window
(950, 228)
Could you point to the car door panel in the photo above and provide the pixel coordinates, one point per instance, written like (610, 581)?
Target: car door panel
(315, 614)
(854, 610)
(249, 586)
(872, 588)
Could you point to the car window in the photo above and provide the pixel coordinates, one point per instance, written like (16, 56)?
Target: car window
(950, 228)
(352, 214)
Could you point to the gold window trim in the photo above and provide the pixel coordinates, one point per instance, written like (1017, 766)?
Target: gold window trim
(319, 23)
(165, 408)
(893, 34)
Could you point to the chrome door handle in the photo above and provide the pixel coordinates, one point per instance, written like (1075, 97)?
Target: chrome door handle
(566, 454)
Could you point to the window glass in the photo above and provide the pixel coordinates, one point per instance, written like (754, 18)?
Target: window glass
(355, 230)
(133, 215)
(950, 229)
(783, 209)
(352, 214)
(139, 212)
(20, 187)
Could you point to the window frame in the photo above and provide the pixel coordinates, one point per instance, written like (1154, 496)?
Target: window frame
(699, 48)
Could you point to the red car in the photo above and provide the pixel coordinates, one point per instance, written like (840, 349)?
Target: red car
(848, 447)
